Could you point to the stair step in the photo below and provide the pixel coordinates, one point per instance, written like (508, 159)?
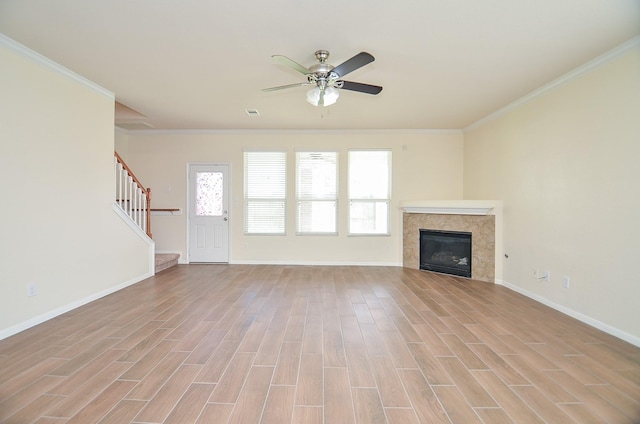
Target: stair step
(166, 260)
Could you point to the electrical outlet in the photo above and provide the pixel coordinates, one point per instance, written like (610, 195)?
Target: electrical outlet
(565, 281)
(31, 290)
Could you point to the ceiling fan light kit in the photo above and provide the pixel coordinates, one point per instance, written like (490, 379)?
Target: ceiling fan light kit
(326, 97)
(327, 79)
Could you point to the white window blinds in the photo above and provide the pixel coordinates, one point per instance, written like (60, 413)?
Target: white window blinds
(369, 191)
(265, 190)
(316, 192)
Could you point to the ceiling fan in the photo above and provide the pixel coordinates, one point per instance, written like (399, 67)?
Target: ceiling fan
(327, 78)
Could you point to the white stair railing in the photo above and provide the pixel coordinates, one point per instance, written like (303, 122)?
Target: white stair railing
(131, 196)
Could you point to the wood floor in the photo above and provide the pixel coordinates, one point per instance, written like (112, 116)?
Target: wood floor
(285, 344)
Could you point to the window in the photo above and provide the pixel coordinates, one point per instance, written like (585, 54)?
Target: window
(316, 192)
(369, 191)
(209, 187)
(265, 188)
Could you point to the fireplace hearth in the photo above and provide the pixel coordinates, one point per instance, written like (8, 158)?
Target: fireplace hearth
(448, 252)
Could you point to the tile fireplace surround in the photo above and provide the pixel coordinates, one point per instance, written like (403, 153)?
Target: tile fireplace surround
(483, 219)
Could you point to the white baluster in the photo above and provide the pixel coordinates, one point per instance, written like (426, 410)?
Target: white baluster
(141, 208)
(120, 184)
(125, 186)
(138, 205)
(144, 214)
(123, 177)
(143, 211)
(116, 177)
(135, 203)
(130, 197)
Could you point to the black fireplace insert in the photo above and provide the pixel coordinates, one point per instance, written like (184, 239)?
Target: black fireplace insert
(448, 252)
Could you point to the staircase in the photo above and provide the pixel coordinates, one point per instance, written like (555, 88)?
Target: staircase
(135, 201)
(131, 196)
(166, 260)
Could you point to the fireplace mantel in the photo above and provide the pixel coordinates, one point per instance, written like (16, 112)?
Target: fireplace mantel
(450, 207)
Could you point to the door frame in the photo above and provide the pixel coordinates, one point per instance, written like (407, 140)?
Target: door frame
(190, 206)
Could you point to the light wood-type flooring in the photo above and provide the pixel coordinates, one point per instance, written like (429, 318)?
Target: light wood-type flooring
(314, 344)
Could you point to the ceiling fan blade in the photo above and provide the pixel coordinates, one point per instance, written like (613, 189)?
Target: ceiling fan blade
(352, 64)
(358, 86)
(290, 63)
(282, 87)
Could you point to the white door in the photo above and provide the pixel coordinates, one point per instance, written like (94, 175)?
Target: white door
(208, 213)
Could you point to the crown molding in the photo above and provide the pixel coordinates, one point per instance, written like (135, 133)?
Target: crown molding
(290, 131)
(27, 53)
(599, 61)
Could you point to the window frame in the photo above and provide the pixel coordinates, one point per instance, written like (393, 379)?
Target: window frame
(371, 200)
(283, 198)
(299, 198)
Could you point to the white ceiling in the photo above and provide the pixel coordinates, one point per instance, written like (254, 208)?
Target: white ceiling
(199, 64)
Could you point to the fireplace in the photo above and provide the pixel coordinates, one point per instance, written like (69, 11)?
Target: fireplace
(448, 252)
(483, 218)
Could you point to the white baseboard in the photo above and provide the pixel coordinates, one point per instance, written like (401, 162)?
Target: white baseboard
(312, 263)
(7, 332)
(574, 314)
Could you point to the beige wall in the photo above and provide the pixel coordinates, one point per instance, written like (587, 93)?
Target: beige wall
(426, 165)
(566, 166)
(121, 143)
(58, 229)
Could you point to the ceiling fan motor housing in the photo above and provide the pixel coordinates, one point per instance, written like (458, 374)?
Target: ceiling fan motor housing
(320, 72)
